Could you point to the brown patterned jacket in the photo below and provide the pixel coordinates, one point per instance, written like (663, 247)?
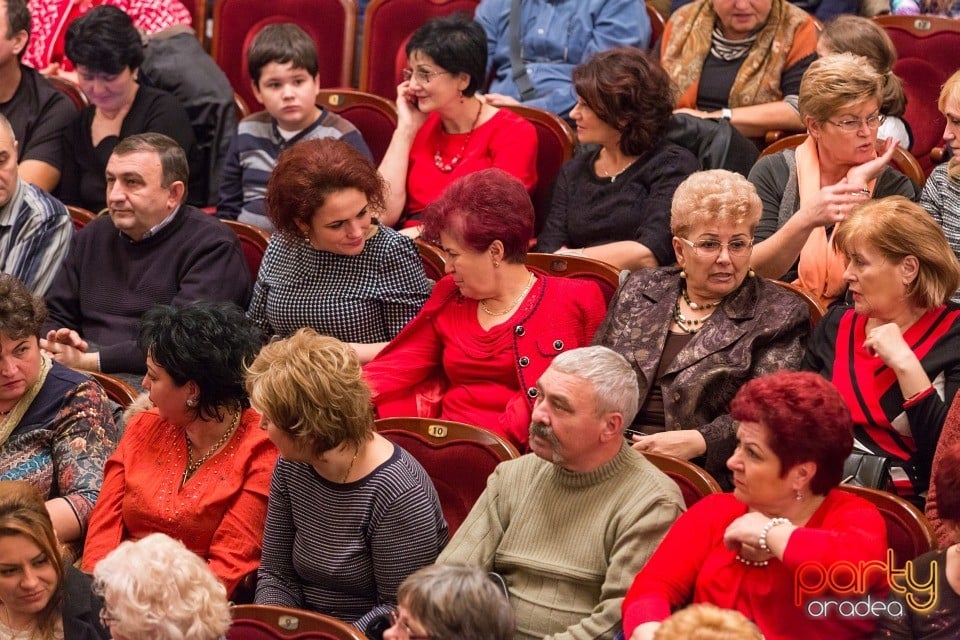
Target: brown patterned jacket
(758, 329)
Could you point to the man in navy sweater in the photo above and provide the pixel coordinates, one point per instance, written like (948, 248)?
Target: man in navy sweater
(150, 250)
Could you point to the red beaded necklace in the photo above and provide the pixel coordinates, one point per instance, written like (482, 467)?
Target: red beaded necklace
(447, 167)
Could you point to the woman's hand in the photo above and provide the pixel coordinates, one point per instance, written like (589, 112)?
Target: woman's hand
(683, 443)
(887, 343)
(645, 631)
(833, 202)
(696, 113)
(408, 115)
(860, 175)
(744, 533)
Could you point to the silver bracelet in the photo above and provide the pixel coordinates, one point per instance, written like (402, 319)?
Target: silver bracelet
(762, 543)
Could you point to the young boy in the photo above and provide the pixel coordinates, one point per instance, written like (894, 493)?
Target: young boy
(282, 61)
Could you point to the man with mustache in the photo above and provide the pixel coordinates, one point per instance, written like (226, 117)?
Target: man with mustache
(569, 525)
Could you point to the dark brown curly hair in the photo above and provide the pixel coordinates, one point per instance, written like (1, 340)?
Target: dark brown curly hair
(21, 313)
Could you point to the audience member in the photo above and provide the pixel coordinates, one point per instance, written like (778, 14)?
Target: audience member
(569, 525)
(52, 18)
(42, 596)
(350, 515)
(164, 253)
(742, 551)
(107, 50)
(38, 112)
(196, 466)
(57, 430)
(742, 63)
(331, 266)
(35, 227)
(807, 190)
(283, 65)
(491, 326)
(949, 439)
(894, 353)
(157, 589)
(696, 333)
(707, 622)
(445, 130)
(928, 605)
(532, 65)
(947, 8)
(613, 203)
(451, 602)
(864, 37)
(941, 194)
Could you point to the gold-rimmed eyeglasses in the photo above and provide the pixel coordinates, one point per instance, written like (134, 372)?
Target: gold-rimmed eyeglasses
(423, 77)
(712, 248)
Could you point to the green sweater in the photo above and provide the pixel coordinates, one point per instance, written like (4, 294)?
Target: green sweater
(568, 544)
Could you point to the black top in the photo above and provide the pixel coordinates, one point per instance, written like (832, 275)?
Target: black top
(81, 608)
(587, 210)
(39, 114)
(83, 182)
(717, 78)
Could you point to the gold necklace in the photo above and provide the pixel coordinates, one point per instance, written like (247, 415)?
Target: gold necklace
(350, 467)
(523, 294)
(192, 465)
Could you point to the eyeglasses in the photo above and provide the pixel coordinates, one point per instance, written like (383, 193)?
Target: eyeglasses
(395, 620)
(423, 77)
(712, 248)
(855, 124)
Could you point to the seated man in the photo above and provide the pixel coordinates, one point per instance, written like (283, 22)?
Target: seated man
(283, 65)
(569, 525)
(165, 253)
(35, 227)
(554, 37)
(37, 111)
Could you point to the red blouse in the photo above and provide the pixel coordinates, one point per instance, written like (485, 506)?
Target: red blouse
(505, 141)
(219, 513)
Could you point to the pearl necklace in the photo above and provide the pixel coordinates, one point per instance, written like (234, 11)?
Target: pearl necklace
(752, 563)
(694, 305)
(523, 294)
(193, 465)
(689, 325)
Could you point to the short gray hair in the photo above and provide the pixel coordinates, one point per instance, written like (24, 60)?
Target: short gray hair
(6, 126)
(612, 377)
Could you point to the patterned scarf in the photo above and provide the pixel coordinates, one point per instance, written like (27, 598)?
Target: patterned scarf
(12, 419)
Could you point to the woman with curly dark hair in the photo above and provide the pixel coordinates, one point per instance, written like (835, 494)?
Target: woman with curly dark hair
(330, 265)
(196, 466)
(613, 203)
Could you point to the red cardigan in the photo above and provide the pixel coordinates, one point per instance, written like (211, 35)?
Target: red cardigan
(505, 141)
(693, 565)
(444, 365)
(220, 512)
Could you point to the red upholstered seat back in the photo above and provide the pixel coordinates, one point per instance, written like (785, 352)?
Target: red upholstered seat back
(331, 24)
(458, 469)
(269, 622)
(909, 533)
(256, 630)
(921, 84)
(374, 117)
(604, 275)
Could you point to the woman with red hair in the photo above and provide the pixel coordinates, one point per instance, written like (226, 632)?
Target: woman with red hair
(491, 326)
(742, 550)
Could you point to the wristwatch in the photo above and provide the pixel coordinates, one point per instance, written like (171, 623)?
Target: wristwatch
(726, 114)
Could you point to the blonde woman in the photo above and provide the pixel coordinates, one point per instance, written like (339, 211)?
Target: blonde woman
(350, 514)
(157, 589)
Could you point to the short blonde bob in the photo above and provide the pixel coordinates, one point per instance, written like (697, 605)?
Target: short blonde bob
(457, 602)
(705, 621)
(897, 228)
(714, 196)
(311, 386)
(157, 588)
(950, 93)
(835, 82)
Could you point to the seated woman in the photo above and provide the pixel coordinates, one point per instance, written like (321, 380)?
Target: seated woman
(451, 602)
(696, 334)
(864, 37)
(196, 466)
(894, 354)
(742, 551)
(444, 130)
(940, 614)
(144, 598)
(330, 265)
(350, 515)
(56, 425)
(42, 596)
(613, 203)
(107, 51)
(490, 327)
(807, 190)
(941, 194)
(742, 64)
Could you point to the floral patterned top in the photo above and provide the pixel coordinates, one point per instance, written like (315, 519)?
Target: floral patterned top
(63, 441)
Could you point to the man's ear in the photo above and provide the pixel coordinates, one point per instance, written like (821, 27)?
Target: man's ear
(177, 190)
(612, 426)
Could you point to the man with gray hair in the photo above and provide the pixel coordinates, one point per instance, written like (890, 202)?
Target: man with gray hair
(35, 227)
(570, 525)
